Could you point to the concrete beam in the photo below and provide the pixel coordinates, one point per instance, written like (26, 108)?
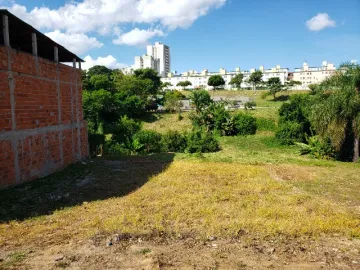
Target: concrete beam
(34, 44)
(5, 21)
(56, 54)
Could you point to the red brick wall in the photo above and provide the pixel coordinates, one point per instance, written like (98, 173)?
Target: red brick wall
(39, 117)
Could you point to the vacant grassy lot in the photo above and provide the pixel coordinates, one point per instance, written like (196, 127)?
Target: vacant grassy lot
(254, 204)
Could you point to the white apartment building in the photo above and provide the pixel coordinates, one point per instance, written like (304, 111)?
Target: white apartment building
(200, 80)
(161, 53)
(157, 58)
(313, 75)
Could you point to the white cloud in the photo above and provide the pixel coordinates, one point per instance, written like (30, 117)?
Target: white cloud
(76, 43)
(108, 61)
(320, 22)
(137, 37)
(102, 15)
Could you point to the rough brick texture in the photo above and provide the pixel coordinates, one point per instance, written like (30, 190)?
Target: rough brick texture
(41, 117)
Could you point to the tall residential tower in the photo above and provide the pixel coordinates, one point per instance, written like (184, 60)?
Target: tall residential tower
(161, 52)
(157, 58)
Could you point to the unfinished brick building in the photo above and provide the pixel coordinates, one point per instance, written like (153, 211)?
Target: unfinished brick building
(41, 120)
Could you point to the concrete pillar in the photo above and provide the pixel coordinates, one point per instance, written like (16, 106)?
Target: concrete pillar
(5, 21)
(74, 62)
(34, 44)
(80, 65)
(56, 54)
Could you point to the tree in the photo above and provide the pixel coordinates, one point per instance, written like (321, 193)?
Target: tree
(101, 81)
(256, 78)
(99, 70)
(216, 81)
(149, 74)
(184, 84)
(165, 85)
(275, 86)
(135, 86)
(201, 99)
(336, 113)
(237, 80)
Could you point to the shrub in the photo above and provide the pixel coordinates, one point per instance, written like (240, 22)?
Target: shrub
(245, 124)
(200, 141)
(174, 141)
(124, 130)
(250, 105)
(146, 141)
(290, 132)
(201, 99)
(294, 124)
(318, 147)
(114, 148)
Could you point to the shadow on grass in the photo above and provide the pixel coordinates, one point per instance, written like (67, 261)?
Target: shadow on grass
(98, 179)
(151, 117)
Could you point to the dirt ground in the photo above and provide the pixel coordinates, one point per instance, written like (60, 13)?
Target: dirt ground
(160, 252)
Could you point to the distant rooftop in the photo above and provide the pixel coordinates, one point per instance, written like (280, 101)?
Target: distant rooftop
(21, 39)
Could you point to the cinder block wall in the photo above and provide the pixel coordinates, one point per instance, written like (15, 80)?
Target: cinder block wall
(41, 119)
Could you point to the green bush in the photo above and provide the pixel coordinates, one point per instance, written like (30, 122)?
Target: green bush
(116, 149)
(318, 147)
(147, 141)
(174, 141)
(294, 124)
(290, 132)
(245, 124)
(124, 130)
(200, 141)
(250, 105)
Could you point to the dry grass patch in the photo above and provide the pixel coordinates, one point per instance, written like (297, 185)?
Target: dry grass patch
(197, 198)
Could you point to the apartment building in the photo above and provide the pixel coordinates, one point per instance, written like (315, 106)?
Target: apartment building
(157, 58)
(313, 75)
(160, 53)
(200, 79)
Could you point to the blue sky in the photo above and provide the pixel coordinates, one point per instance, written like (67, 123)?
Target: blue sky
(202, 33)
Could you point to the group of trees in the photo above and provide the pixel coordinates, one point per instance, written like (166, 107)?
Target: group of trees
(109, 95)
(329, 118)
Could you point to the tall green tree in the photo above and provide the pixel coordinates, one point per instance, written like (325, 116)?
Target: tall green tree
(99, 70)
(274, 84)
(336, 113)
(237, 80)
(256, 78)
(152, 75)
(216, 81)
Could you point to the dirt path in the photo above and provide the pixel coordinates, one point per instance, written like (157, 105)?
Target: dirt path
(130, 252)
